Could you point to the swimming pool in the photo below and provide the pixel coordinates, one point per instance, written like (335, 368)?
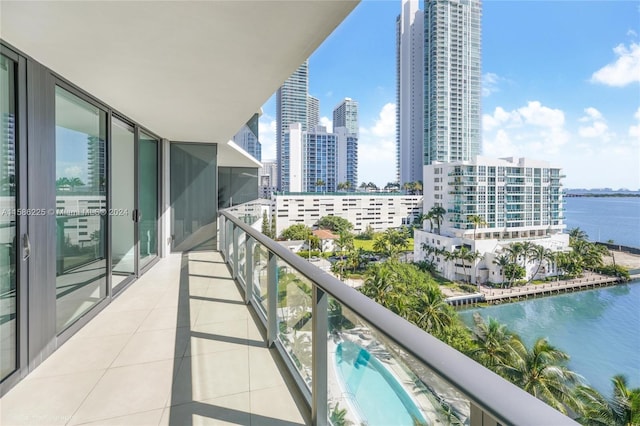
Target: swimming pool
(379, 398)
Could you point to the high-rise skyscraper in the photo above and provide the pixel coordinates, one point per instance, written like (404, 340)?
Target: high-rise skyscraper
(444, 44)
(346, 157)
(313, 112)
(410, 95)
(345, 114)
(452, 85)
(291, 107)
(247, 137)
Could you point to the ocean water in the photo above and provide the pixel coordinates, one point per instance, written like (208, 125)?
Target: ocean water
(606, 218)
(599, 329)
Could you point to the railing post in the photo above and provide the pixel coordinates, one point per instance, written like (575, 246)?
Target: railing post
(235, 234)
(221, 236)
(272, 299)
(249, 247)
(480, 418)
(319, 323)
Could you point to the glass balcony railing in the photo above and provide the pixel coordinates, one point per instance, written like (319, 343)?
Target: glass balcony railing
(350, 356)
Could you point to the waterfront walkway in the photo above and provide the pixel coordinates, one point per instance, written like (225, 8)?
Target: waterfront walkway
(588, 280)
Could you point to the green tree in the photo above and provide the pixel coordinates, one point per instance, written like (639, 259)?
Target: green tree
(477, 221)
(494, 343)
(622, 409)
(299, 231)
(344, 241)
(266, 226)
(577, 234)
(541, 370)
(437, 214)
(335, 224)
(502, 261)
(320, 183)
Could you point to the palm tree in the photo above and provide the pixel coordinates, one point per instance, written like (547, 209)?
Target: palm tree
(542, 372)
(438, 213)
(342, 186)
(430, 217)
(419, 220)
(577, 234)
(494, 343)
(320, 183)
(477, 221)
(515, 251)
(433, 315)
(622, 409)
(538, 254)
(502, 261)
(469, 256)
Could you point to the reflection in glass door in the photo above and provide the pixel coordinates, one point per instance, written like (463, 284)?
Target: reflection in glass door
(81, 196)
(123, 234)
(8, 205)
(147, 198)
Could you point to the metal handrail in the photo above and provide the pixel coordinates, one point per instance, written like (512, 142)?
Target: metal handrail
(495, 396)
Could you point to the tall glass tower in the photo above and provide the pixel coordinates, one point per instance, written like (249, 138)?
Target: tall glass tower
(452, 85)
(345, 114)
(291, 107)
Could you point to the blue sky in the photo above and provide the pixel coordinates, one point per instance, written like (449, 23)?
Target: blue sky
(561, 82)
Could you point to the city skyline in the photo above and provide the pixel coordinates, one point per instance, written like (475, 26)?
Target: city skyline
(567, 94)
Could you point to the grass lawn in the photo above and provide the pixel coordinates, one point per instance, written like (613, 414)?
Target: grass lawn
(368, 245)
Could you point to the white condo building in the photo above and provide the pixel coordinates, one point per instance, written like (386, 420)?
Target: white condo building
(345, 114)
(378, 210)
(409, 92)
(517, 199)
(452, 80)
(291, 107)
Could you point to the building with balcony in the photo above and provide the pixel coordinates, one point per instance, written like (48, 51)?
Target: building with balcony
(247, 137)
(380, 211)
(180, 312)
(490, 203)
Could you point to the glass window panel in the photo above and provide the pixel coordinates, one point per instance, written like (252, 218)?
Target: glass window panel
(236, 185)
(193, 204)
(260, 276)
(123, 237)
(8, 241)
(376, 382)
(148, 198)
(242, 258)
(294, 318)
(81, 202)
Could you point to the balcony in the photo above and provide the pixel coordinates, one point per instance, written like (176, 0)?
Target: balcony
(254, 334)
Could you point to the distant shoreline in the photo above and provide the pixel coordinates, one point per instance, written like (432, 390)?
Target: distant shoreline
(617, 194)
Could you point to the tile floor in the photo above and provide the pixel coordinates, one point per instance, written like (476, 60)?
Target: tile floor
(178, 347)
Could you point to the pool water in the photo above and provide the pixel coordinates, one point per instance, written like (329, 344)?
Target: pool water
(379, 398)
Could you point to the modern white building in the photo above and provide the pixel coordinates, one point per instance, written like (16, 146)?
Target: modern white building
(313, 111)
(345, 114)
(409, 92)
(515, 199)
(346, 157)
(291, 107)
(378, 210)
(452, 80)
(267, 178)
(247, 137)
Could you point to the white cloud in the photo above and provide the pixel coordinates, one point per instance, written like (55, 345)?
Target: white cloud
(533, 130)
(326, 122)
(490, 82)
(377, 148)
(625, 70)
(595, 126)
(267, 136)
(634, 129)
(540, 132)
(73, 171)
(632, 33)
(537, 114)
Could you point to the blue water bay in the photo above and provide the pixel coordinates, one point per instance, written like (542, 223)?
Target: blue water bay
(599, 329)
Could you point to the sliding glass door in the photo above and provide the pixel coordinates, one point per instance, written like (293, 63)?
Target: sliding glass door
(123, 204)
(8, 231)
(81, 202)
(148, 206)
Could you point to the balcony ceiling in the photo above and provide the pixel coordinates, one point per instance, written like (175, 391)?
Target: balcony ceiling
(189, 71)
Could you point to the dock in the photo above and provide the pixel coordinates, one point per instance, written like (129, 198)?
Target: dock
(499, 295)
